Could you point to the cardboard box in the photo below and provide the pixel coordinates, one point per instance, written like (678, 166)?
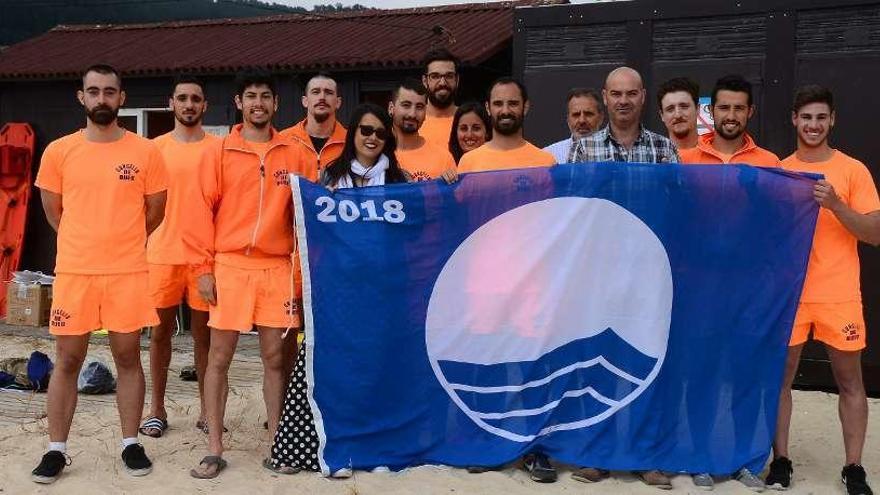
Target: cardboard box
(28, 304)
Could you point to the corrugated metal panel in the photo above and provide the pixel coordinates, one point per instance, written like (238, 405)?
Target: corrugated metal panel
(710, 38)
(575, 45)
(850, 30)
(373, 39)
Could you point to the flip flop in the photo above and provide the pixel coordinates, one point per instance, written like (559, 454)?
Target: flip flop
(203, 426)
(153, 427)
(209, 460)
(189, 374)
(267, 463)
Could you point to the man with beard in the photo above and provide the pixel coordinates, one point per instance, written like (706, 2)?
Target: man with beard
(507, 105)
(421, 158)
(679, 101)
(831, 301)
(441, 79)
(182, 241)
(584, 114)
(731, 108)
(251, 281)
(624, 139)
(319, 134)
(103, 191)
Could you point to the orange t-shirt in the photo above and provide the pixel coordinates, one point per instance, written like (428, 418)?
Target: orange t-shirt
(436, 130)
(485, 158)
(102, 187)
(426, 162)
(184, 237)
(750, 153)
(833, 271)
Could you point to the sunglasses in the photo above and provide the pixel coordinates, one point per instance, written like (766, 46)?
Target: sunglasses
(368, 130)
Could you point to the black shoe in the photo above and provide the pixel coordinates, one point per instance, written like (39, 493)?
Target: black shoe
(189, 374)
(853, 476)
(779, 476)
(539, 468)
(50, 467)
(136, 461)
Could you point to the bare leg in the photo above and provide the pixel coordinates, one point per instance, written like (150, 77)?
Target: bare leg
(783, 417)
(273, 350)
(852, 403)
(160, 359)
(201, 344)
(126, 349)
(223, 344)
(70, 351)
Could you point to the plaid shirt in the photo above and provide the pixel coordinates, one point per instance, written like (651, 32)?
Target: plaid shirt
(601, 146)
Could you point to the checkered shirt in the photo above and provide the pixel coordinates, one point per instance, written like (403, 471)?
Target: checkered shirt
(601, 146)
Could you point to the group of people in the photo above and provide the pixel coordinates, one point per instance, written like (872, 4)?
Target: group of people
(207, 220)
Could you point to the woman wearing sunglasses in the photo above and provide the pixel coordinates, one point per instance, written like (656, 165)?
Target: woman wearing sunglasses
(367, 159)
(368, 155)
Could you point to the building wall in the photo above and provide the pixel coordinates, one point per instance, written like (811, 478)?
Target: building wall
(776, 44)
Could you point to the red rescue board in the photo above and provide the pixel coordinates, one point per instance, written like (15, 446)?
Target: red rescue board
(16, 158)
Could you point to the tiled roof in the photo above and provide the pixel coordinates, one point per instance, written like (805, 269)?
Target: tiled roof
(362, 40)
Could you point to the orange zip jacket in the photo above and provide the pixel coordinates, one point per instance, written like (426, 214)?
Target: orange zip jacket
(251, 200)
(750, 153)
(317, 159)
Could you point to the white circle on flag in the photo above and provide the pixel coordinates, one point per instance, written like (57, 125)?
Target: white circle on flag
(552, 316)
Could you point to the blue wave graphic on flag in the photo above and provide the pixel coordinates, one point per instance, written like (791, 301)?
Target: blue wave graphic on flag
(576, 381)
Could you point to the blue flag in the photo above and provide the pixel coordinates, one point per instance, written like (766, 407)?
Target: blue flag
(620, 316)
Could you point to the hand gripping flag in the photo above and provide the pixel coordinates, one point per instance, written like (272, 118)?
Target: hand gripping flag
(621, 316)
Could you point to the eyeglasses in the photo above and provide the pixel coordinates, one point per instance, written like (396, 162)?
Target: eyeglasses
(436, 76)
(368, 130)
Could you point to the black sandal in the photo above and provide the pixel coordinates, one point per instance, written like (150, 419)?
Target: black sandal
(209, 460)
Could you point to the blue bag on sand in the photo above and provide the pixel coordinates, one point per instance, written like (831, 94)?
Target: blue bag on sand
(39, 370)
(96, 378)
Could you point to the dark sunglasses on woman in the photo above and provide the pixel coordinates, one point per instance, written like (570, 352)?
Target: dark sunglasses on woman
(368, 130)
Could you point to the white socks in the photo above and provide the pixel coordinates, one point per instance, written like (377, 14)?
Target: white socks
(129, 441)
(62, 446)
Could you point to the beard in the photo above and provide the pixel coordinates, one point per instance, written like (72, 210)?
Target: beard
(508, 127)
(408, 127)
(188, 122)
(682, 134)
(102, 114)
(441, 101)
(719, 130)
(321, 117)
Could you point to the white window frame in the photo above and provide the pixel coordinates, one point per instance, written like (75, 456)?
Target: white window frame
(141, 115)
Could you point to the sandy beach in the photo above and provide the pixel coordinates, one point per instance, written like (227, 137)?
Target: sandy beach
(96, 467)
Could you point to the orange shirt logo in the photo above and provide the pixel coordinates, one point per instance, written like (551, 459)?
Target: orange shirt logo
(127, 172)
(282, 177)
(421, 175)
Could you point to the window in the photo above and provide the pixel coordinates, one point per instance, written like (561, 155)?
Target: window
(147, 122)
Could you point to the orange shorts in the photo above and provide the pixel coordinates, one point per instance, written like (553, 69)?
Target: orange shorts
(268, 297)
(169, 284)
(83, 303)
(840, 325)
